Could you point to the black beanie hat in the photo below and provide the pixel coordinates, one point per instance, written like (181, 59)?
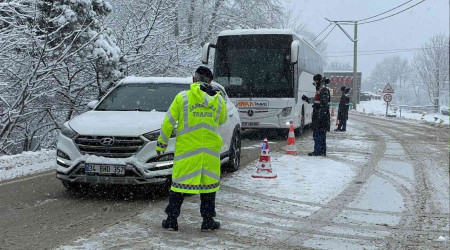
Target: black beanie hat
(317, 77)
(203, 72)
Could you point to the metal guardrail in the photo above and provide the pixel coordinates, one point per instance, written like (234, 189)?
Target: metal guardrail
(415, 109)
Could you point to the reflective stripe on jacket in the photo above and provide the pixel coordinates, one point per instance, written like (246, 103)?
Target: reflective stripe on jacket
(196, 166)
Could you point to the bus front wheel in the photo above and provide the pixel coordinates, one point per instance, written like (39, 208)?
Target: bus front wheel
(299, 130)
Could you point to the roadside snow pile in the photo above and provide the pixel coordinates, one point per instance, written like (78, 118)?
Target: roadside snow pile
(302, 178)
(378, 108)
(12, 166)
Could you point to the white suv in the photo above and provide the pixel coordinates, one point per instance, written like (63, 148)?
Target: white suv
(115, 142)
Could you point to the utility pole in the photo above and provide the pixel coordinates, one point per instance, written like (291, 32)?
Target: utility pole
(355, 96)
(355, 66)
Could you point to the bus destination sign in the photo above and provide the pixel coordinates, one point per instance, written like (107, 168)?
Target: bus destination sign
(252, 104)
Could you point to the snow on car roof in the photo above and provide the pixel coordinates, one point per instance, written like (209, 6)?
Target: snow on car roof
(160, 80)
(174, 80)
(256, 32)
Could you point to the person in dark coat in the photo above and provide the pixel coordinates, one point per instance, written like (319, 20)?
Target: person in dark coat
(321, 115)
(343, 109)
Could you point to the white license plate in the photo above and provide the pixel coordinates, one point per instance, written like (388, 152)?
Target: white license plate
(105, 169)
(250, 124)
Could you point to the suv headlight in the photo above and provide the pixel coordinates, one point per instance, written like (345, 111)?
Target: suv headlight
(68, 132)
(153, 136)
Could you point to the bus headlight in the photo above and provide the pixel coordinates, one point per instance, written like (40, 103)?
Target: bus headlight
(286, 111)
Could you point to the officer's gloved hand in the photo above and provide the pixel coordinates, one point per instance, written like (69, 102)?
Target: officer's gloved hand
(304, 98)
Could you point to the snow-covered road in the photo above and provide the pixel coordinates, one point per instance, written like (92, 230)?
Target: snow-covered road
(384, 184)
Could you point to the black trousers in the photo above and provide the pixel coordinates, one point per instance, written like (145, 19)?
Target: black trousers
(342, 125)
(207, 205)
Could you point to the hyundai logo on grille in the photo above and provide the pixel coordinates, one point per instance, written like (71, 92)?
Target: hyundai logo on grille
(108, 141)
(250, 112)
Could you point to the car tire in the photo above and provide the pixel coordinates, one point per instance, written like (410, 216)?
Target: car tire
(73, 186)
(234, 161)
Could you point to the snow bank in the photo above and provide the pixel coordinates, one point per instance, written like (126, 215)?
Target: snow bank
(12, 166)
(378, 108)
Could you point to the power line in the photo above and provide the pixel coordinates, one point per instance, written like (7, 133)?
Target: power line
(376, 20)
(385, 11)
(387, 50)
(321, 32)
(326, 35)
(376, 53)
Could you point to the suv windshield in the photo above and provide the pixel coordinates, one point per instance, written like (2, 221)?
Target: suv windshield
(254, 65)
(141, 97)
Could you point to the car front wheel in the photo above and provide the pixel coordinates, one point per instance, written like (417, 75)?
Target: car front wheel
(235, 152)
(74, 186)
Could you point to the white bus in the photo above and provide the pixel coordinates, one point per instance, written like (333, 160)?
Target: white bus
(265, 73)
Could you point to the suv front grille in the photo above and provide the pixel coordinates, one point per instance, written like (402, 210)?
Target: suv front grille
(122, 147)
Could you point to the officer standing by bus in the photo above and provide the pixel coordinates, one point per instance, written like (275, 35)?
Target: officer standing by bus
(197, 113)
(321, 115)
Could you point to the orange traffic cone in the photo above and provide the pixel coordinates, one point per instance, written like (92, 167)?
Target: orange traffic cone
(264, 168)
(291, 148)
(332, 111)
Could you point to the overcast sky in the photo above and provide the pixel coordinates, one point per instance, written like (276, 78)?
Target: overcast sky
(409, 29)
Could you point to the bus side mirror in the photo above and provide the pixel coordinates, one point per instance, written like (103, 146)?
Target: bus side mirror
(92, 104)
(205, 52)
(295, 45)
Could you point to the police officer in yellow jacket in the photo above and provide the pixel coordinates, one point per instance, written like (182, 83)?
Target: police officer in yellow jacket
(197, 114)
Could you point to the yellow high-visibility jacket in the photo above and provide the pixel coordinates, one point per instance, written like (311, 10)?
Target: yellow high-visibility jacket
(196, 166)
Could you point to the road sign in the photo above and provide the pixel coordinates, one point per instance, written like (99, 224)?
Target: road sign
(387, 97)
(388, 89)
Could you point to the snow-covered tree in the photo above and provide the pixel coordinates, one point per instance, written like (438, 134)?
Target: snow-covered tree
(431, 64)
(56, 55)
(394, 70)
(58, 51)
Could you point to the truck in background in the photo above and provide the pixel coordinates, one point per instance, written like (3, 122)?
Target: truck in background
(339, 79)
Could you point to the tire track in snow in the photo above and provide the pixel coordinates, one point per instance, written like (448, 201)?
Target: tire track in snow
(322, 218)
(419, 216)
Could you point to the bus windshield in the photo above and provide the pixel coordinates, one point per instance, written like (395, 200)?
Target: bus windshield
(255, 65)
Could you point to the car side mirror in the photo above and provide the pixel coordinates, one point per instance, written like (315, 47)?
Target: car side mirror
(295, 45)
(92, 104)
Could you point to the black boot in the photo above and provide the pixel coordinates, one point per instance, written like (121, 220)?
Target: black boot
(313, 154)
(210, 224)
(170, 223)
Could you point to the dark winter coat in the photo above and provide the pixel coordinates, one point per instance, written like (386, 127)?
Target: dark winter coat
(321, 110)
(343, 107)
